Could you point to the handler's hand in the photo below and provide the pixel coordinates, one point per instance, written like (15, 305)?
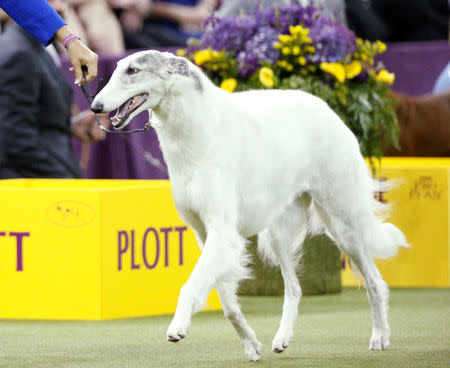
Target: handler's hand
(85, 127)
(79, 56)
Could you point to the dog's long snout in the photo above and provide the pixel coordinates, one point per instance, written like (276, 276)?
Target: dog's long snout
(97, 107)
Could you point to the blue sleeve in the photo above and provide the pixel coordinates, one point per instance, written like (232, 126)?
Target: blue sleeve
(37, 17)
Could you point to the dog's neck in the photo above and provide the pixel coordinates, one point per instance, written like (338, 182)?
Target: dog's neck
(179, 122)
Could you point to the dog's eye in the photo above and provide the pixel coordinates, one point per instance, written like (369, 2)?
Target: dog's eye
(131, 70)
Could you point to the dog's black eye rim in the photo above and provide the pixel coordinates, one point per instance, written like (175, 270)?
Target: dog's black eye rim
(131, 70)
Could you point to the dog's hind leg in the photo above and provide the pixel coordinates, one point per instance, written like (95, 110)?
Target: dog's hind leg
(284, 238)
(252, 347)
(354, 235)
(222, 259)
(378, 296)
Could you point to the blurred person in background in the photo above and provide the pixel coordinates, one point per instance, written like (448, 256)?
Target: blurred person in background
(332, 8)
(399, 20)
(170, 23)
(132, 15)
(41, 21)
(232, 8)
(36, 124)
(96, 24)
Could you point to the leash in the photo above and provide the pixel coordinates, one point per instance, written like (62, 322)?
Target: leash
(90, 98)
(153, 161)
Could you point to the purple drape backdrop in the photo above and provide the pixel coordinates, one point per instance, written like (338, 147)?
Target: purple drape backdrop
(416, 66)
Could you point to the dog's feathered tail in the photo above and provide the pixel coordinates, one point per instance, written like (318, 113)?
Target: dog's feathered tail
(386, 237)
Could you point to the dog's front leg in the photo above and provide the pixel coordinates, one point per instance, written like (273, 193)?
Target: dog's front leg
(222, 259)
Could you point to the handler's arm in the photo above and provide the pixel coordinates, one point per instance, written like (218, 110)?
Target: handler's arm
(39, 19)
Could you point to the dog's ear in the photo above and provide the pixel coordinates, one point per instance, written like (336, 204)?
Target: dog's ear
(178, 65)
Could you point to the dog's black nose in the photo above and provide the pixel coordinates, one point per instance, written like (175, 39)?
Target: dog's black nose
(97, 107)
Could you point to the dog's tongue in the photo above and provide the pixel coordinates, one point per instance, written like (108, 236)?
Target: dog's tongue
(123, 110)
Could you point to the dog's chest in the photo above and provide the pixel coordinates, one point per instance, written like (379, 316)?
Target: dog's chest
(187, 193)
(207, 194)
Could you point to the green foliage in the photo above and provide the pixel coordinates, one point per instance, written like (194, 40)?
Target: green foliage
(319, 270)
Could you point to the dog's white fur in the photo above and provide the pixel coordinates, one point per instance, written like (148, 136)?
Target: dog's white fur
(255, 163)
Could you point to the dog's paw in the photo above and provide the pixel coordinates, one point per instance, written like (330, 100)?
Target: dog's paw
(379, 340)
(252, 350)
(281, 342)
(175, 337)
(175, 334)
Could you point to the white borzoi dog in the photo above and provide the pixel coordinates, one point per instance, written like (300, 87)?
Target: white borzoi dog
(254, 163)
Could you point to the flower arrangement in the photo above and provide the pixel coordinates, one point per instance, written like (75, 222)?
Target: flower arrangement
(294, 47)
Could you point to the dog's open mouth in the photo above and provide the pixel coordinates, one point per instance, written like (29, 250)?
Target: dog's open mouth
(124, 111)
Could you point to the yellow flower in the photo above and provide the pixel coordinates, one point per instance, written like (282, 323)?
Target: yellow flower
(285, 65)
(381, 46)
(285, 50)
(229, 84)
(296, 50)
(266, 76)
(306, 39)
(310, 49)
(181, 52)
(278, 45)
(203, 56)
(298, 30)
(335, 69)
(385, 77)
(285, 38)
(302, 60)
(353, 69)
(295, 29)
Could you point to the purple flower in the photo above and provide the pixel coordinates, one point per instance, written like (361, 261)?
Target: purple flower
(229, 33)
(258, 49)
(285, 16)
(362, 77)
(249, 39)
(332, 40)
(232, 33)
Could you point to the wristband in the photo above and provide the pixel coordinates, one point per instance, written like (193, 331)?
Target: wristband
(69, 39)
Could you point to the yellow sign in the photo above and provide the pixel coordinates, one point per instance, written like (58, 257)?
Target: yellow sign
(92, 249)
(420, 208)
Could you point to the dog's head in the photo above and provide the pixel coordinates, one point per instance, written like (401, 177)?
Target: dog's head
(140, 82)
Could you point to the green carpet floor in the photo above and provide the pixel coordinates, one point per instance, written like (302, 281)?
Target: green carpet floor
(332, 331)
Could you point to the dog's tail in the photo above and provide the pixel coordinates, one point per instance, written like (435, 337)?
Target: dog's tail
(386, 237)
